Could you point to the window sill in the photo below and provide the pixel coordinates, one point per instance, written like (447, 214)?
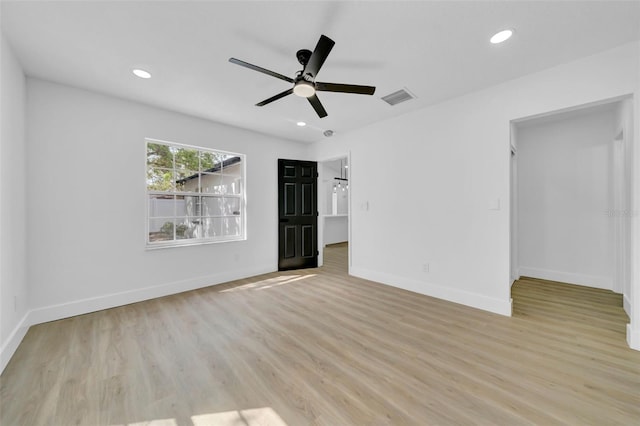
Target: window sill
(188, 243)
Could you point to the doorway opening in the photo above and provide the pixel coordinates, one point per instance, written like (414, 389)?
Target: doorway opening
(334, 205)
(571, 197)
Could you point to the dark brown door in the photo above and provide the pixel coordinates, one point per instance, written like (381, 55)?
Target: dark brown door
(297, 214)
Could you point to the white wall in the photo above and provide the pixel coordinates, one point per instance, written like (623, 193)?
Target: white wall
(633, 328)
(336, 229)
(452, 163)
(13, 255)
(621, 212)
(565, 190)
(86, 190)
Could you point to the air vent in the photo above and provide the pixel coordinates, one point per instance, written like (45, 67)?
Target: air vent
(395, 98)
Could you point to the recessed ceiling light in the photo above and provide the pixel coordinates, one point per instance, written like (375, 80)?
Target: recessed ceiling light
(501, 36)
(141, 73)
(301, 123)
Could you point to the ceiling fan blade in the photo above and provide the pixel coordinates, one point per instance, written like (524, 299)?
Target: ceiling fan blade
(275, 98)
(260, 69)
(319, 55)
(315, 103)
(345, 88)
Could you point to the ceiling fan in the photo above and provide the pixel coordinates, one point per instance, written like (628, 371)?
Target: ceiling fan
(304, 83)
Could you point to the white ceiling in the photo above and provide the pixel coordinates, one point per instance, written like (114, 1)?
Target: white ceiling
(437, 50)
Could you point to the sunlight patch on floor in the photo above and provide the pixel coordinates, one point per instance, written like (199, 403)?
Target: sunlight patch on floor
(264, 416)
(157, 422)
(268, 283)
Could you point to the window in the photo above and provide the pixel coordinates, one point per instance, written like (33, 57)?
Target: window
(194, 195)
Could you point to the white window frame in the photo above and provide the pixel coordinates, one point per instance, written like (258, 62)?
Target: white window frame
(175, 242)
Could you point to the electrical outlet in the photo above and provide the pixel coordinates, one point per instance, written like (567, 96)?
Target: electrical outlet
(425, 268)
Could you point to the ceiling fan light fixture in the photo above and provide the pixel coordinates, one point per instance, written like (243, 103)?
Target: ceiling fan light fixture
(304, 89)
(501, 36)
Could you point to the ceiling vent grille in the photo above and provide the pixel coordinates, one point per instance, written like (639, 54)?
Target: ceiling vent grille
(395, 98)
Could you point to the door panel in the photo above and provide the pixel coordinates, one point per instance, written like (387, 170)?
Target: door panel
(308, 204)
(297, 214)
(308, 249)
(290, 242)
(290, 199)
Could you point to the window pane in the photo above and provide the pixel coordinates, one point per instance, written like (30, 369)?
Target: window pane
(211, 227)
(187, 181)
(161, 206)
(160, 230)
(228, 161)
(209, 161)
(211, 183)
(159, 179)
(187, 228)
(231, 185)
(232, 166)
(231, 226)
(187, 159)
(159, 156)
(181, 206)
(192, 206)
(231, 207)
(212, 206)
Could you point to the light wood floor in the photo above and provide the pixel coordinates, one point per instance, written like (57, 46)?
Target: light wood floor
(319, 347)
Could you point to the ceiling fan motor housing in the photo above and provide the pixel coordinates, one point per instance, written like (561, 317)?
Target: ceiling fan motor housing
(303, 56)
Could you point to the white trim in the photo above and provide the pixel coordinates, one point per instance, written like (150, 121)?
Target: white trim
(191, 241)
(12, 343)
(184, 145)
(572, 108)
(92, 304)
(626, 304)
(595, 281)
(633, 338)
(350, 215)
(474, 300)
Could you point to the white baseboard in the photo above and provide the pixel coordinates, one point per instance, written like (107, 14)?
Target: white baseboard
(595, 281)
(474, 300)
(92, 304)
(9, 347)
(633, 337)
(626, 304)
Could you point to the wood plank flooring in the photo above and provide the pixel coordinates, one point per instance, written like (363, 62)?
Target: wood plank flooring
(320, 347)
